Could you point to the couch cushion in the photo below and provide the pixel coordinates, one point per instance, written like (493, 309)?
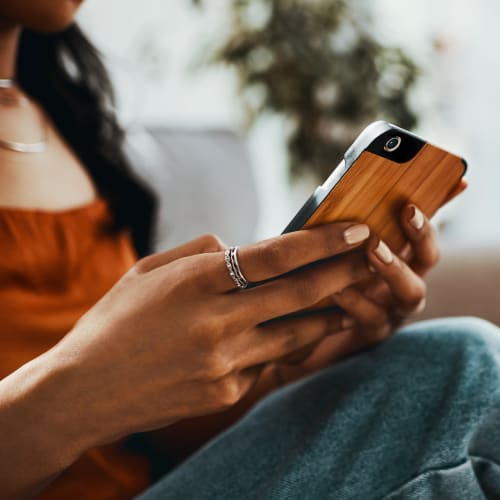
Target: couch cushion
(203, 180)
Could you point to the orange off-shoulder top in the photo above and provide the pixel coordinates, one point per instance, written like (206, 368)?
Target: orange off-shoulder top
(54, 266)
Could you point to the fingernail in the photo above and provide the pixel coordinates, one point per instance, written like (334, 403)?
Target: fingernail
(371, 268)
(421, 306)
(356, 234)
(383, 253)
(417, 220)
(347, 322)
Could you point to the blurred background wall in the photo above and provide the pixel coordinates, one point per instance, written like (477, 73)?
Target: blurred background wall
(155, 47)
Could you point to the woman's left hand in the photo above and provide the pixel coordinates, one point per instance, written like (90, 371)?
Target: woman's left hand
(373, 313)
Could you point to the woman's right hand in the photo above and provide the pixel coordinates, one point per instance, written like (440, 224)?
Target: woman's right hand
(174, 338)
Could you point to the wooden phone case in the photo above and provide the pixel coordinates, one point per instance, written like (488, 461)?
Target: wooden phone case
(372, 189)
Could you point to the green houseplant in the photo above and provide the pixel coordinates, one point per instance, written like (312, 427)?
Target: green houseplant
(316, 63)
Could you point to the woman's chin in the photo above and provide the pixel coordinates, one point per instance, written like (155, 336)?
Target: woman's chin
(54, 22)
(49, 16)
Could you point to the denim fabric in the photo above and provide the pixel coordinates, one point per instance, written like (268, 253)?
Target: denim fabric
(418, 417)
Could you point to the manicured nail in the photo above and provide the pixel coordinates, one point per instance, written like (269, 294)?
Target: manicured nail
(383, 253)
(417, 220)
(420, 307)
(356, 234)
(347, 322)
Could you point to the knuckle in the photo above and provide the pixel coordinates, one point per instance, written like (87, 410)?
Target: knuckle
(198, 272)
(142, 266)
(211, 322)
(212, 242)
(198, 281)
(201, 342)
(228, 391)
(273, 254)
(216, 366)
(206, 333)
(330, 240)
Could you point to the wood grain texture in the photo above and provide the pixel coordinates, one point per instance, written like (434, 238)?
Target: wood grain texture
(374, 190)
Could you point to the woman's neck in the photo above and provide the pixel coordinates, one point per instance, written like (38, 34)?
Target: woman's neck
(9, 42)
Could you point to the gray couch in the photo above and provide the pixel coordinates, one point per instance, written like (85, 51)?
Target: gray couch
(203, 180)
(205, 183)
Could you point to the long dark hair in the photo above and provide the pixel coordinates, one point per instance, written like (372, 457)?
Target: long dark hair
(65, 74)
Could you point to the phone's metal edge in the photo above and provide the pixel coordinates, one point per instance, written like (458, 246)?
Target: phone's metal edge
(466, 166)
(363, 141)
(367, 136)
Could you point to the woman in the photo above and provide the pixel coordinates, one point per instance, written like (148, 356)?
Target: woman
(177, 348)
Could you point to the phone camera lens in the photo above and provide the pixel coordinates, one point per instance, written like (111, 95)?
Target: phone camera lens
(392, 144)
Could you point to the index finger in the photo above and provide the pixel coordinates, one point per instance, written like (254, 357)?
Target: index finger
(276, 256)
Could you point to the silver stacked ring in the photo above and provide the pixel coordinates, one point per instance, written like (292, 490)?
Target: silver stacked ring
(233, 267)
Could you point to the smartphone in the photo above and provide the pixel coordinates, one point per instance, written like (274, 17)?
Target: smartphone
(385, 168)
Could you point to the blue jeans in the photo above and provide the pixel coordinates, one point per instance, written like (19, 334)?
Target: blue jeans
(418, 417)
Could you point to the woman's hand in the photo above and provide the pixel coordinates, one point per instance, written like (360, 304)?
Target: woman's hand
(174, 338)
(374, 311)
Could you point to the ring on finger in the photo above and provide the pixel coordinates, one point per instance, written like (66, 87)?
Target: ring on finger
(233, 267)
